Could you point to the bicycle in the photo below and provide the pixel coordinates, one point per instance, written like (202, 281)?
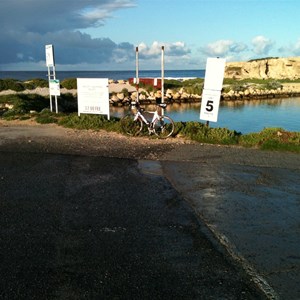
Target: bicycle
(159, 124)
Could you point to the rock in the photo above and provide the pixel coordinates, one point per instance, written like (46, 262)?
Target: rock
(134, 95)
(157, 94)
(176, 96)
(277, 68)
(120, 96)
(142, 97)
(185, 95)
(114, 98)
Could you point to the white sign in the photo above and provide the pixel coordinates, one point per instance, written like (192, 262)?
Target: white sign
(210, 105)
(213, 83)
(54, 87)
(49, 56)
(214, 74)
(93, 96)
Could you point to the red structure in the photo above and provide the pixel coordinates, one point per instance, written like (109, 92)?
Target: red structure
(155, 82)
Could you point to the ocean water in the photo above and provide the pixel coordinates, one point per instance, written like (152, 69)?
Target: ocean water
(245, 117)
(115, 75)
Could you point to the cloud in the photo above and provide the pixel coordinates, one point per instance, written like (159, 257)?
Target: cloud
(293, 48)
(223, 48)
(44, 16)
(296, 48)
(178, 49)
(28, 25)
(176, 55)
(262, 45)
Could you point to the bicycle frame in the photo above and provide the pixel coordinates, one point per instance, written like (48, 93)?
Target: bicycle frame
(139, 115)
(156, 122)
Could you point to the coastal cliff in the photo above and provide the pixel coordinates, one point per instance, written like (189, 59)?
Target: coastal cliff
(266, 68)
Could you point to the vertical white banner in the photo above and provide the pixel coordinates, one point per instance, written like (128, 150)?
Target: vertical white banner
(213, 83)
(214, 74)
(93, 96)
(49, 55)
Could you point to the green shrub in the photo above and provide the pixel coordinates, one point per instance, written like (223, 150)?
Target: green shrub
(125, 92)
(10, 114)
(201, 133)
(9, 99)
(95, 122)
(36, 82)
(68, 103)
(46, 119)
(172, 84)
(11, 84)
(222, 136)
(69, 83)
(24, 103)
(272, 139)
(272, 85)
(29, 102)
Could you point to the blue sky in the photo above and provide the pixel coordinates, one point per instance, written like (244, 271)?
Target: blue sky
(103, 34)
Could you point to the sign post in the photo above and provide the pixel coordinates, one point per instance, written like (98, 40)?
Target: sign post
(213, 83)
(54, 85)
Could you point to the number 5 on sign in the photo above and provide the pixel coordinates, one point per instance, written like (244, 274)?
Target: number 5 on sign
(210, 105)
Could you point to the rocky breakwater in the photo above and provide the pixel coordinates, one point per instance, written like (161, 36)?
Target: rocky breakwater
(256, 92)
(122, 93)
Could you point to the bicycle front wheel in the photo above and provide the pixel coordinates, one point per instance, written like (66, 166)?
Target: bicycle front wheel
(164, 127)
(130, 126)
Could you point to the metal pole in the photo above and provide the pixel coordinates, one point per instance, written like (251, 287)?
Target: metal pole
(54, 77)
(49, 77)
(137, 72)
(162, 76)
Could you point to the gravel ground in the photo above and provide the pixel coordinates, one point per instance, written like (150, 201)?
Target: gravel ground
(56, 139)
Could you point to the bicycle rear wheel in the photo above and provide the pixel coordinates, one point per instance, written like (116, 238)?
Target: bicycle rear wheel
(164, 127)
(130, 126)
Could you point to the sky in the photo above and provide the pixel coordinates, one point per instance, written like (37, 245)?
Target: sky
(103, 34)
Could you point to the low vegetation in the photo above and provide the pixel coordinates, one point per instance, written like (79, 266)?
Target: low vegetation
(18, 86)
(33, 106)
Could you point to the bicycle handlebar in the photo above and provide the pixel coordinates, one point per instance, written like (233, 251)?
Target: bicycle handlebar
(137, 104)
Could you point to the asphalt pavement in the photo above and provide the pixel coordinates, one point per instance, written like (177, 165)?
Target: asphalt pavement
(195, 222)
(250, 200)
(91, 227)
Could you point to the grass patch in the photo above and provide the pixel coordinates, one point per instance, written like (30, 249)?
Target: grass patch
(47, 117)
(24, 103)
(69, 83)
(94, 122)
(276, 139)
(201, 133)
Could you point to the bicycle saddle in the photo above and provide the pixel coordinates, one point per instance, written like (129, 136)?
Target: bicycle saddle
(162, 105)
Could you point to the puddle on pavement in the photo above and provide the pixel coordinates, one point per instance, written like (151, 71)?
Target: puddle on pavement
(150, 167)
